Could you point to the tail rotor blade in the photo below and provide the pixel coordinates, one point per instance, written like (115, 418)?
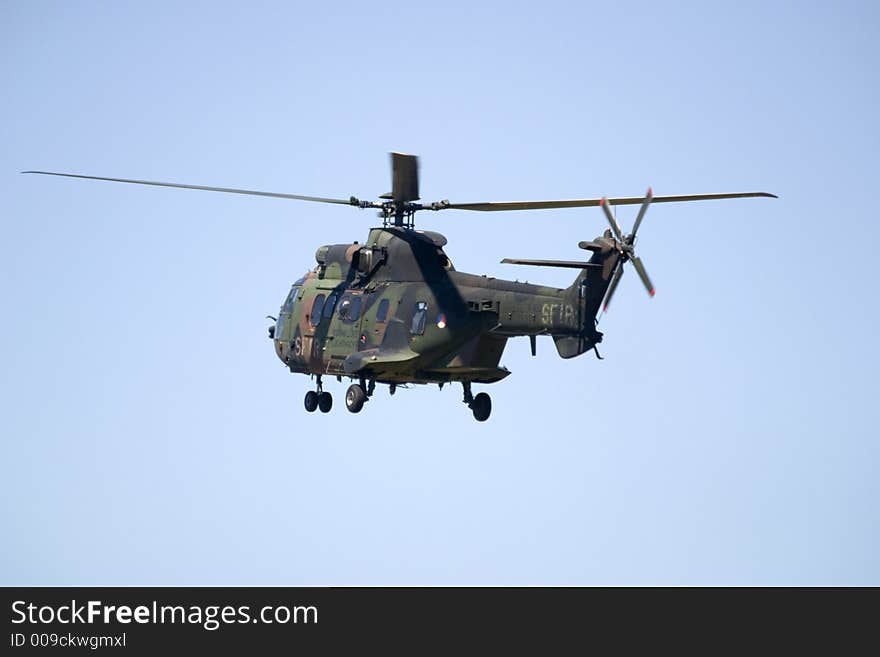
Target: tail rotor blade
(611, 220)
(648, 198)
(640, 268)
(614, 281)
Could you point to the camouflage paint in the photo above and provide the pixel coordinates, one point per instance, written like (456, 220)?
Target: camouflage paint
(467, 318)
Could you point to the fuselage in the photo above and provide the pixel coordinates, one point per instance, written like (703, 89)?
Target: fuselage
(395, 310)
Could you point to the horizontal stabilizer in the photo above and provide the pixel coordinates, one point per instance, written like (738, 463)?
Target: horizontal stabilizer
(569, 264)
(594, 246)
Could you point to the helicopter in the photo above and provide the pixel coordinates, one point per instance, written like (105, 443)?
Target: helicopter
(394, 310)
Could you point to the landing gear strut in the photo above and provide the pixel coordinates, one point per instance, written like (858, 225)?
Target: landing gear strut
(481, 405)
(316, 399)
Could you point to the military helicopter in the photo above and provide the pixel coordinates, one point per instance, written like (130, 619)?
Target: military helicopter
(394, 310)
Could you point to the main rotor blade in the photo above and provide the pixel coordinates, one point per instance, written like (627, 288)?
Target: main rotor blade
(228, 190)
(640, 268)
(592, 202)
(611, 220)
(404, 177)
(648, 196)
(614, 281)
(570, 264)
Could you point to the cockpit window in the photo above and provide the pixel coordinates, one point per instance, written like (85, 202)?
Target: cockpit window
(280, 327)
(291, 299)
(317, 307)
(419, 316)
(350, 309)
(330, 306)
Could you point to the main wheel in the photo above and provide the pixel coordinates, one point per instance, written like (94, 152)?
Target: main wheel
(311, 401)
(355, 398)
(482, 407)
(325, 402)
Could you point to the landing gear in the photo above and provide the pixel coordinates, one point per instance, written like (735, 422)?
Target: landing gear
(358, 393)
(481, 405)
(355, 398)
(316, 399)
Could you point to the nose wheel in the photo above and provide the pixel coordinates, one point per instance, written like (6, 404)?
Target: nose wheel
(318, 399)
(480, 405)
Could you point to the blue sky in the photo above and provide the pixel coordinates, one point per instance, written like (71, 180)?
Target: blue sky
(150, 436)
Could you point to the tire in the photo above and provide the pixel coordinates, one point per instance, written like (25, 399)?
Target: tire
(311, 401)
(482, 407)
(355, 398)
(325, 402)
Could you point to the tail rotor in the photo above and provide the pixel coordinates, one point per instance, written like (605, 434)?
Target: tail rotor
(625, 246)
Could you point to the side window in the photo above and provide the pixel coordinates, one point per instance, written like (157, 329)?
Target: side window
(354, 313)
(350, 309)
(419, 317)
(382, 312)
(330, 306)
(317, 307)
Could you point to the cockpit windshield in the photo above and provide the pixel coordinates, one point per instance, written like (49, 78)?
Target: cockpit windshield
(291, 299)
